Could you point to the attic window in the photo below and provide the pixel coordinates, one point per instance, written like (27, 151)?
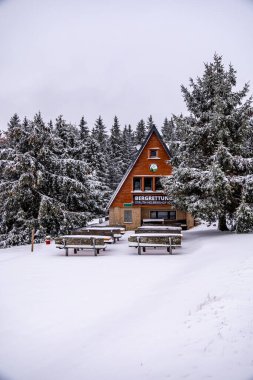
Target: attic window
(153, 153)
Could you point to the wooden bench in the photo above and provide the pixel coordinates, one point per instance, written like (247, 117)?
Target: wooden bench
(121, 228)
(158, 229)
(165, 222)
(177, 223)
(109, 234)
(116, 231)
(80, 242)
(147, 222)
(155, 240)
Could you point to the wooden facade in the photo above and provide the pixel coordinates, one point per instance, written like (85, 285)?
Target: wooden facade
(139, 195)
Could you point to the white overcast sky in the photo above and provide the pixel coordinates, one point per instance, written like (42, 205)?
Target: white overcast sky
(115, 57)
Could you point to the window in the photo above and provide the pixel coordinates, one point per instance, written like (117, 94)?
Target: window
(137, 183)
(158, 185)
(163, 215)
(128, 216)
(148, 183)
(153, 153)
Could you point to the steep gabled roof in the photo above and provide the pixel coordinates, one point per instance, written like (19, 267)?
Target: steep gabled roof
(152, 130)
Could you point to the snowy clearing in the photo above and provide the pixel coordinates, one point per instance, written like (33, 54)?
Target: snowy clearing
(122, 316)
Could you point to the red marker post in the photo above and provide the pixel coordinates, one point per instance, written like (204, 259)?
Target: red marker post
(48, 240)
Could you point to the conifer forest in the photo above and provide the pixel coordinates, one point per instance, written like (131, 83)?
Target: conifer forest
(55, 176)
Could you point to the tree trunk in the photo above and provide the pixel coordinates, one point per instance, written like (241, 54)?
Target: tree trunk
(222, 225)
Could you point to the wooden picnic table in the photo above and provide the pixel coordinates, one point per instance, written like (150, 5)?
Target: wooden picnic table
(155, 240)
(81, 242)
(96, 232)
(116, 231)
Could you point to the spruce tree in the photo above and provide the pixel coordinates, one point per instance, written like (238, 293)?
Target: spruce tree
(14, 130)
(140, 132)
(244, 218)
(97, 161)
(100, 134)
(210, 164)
(169, 134)
(248, 147)
(84, 130)
(150, 123)
(115, 152)
(129, 149)
(166, 130)
(115, 140)
(42, 184)
(2, 140)
(51, 125)
(20, 173)
(68, 136)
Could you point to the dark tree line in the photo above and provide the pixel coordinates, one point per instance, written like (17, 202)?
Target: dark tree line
(58, 176)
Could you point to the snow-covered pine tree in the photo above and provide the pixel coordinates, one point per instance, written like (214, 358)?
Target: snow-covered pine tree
(244, 218)
(248, 147)
(150, 123)
(2, 140)
(19, 173)
(82, 194)
(115, 140)
(129, 149)
(51, 125)
(141, 132)
(169, 134)
(115, 153)
(66, 137)
(84, 130)
(98, 161)
(42, 185)
(210, 164)
(16, 131)
(98, 155)
(167, 130)
(100, 134)
(82, 140)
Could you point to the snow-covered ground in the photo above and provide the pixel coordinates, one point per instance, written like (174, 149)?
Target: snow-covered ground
(121, 316)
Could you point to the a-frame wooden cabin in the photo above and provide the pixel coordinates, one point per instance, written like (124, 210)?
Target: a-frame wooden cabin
(139, 195)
